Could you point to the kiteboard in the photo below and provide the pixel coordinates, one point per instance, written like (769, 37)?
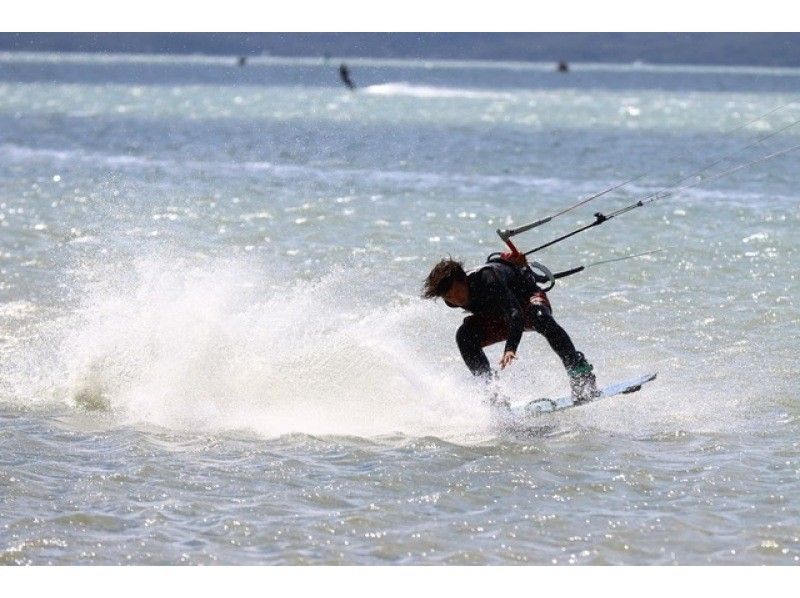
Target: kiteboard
(540, 406)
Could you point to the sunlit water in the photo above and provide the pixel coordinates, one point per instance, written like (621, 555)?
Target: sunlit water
(213, 350)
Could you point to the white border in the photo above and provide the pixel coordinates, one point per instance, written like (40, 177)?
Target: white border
(401, 582)
(398, 15)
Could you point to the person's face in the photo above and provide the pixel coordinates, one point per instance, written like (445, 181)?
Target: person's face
(457, 294)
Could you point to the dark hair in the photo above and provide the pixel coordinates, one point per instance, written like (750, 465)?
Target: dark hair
(443, 275)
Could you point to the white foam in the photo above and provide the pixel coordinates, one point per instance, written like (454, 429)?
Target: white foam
(17, 309)
(427, 91)
(217, 347)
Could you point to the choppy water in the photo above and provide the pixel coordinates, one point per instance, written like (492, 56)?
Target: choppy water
(213, 350)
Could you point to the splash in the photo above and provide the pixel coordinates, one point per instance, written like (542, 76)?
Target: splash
(427, 91)
(226, 346)
(222, 345)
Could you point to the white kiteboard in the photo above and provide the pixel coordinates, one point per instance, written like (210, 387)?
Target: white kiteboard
(540, 406)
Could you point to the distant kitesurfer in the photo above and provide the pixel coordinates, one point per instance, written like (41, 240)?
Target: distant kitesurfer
(563, 67)
(344, 74)
(504, 300)
(242, 60)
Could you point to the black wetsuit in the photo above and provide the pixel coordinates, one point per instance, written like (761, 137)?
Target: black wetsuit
(344, 74)
(503, 304)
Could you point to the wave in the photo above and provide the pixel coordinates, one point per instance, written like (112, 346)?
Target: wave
(412, 178)
(418, 179)
(427, 91)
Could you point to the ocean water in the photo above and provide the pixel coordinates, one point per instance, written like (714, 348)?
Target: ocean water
(212, 348)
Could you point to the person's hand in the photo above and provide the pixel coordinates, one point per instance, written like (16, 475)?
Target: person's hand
(506, 359)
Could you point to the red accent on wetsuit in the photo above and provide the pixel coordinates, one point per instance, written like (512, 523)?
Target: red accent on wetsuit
(540, 298)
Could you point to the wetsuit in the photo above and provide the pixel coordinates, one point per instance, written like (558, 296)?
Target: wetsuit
(504, 304)
(344, 74)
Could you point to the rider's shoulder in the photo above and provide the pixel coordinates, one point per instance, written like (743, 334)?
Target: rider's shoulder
(486, 273)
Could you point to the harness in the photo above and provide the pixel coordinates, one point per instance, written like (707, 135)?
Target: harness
(527, 271)
(529, 275)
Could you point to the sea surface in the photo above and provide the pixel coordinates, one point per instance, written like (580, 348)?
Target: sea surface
(213, 350)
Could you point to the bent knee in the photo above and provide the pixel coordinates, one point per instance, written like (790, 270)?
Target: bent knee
(541, 319)
(467, 335)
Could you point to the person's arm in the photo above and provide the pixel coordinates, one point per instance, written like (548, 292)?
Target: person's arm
(508, 305)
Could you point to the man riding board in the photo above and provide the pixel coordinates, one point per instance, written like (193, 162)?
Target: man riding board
(504, 300)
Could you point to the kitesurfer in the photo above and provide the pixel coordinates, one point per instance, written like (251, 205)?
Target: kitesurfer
(504, 300)
(344, 75)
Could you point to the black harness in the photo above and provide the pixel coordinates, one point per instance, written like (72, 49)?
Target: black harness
(528, 273)
(526, 282)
